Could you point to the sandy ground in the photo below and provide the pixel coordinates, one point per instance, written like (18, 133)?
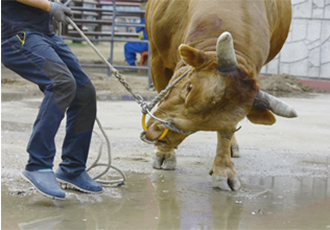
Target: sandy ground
(106, 85)
(284, 170)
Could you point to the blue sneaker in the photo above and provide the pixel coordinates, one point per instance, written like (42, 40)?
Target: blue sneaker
(44, 181)
(82, 182)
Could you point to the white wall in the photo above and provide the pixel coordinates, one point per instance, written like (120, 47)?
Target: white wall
(306, 52)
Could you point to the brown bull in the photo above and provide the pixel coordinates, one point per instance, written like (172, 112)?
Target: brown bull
(225, 43)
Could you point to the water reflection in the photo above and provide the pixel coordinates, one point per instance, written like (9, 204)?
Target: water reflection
(175, 200)
(166, 192)
(193, 206)
(47, 223)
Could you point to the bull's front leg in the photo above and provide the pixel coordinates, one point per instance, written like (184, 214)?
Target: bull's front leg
(234, 147)
(164, 158)
(223, 173)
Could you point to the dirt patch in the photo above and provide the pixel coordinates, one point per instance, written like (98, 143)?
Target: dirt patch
(107, 87)
(283, 83)
(12, 80)
(8, 81)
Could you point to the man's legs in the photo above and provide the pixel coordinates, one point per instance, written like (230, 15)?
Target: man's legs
(81, 116)
(37, 62)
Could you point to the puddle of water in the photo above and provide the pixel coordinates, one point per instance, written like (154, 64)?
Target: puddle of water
(172, 200)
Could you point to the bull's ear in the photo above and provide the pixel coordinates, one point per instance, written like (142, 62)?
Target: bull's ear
(191, 56)
(261, 116)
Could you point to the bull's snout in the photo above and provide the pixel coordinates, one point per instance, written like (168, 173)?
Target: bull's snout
(153, 133)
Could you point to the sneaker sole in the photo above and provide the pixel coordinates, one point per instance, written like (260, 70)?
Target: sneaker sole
(75, 186)
(45, 194)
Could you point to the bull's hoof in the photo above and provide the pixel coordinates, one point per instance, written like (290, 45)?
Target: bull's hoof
(225, 184)
(169, 163)
(164, 163)
(157, 162)
(234, 151)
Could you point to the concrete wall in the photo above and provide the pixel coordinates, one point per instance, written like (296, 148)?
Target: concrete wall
(306, 52)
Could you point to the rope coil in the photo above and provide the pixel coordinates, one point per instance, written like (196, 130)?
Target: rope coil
(109, 165)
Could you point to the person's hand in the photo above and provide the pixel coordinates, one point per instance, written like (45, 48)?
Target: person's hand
(60, 12)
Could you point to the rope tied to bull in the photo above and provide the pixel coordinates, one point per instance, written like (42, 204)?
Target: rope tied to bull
(146, 109)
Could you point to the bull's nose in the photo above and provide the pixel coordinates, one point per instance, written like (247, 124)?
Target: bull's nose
(153, 134)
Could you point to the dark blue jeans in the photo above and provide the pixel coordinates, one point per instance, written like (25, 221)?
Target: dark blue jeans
(48, 62)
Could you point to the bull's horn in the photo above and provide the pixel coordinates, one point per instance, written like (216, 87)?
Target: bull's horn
(277, 106)
(226, 57)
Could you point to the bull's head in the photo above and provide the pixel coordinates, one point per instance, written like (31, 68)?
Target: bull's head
(214, 96)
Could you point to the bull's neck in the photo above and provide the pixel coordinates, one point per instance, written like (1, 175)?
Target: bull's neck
(248, 62)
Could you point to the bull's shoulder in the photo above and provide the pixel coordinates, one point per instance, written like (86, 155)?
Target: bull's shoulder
(166, 23)
(165, 18)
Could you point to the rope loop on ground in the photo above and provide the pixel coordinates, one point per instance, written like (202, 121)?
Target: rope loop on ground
(108, 166)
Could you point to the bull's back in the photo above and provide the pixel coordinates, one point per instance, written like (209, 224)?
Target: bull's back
(259, 28)
(279, 19)
(166, 22)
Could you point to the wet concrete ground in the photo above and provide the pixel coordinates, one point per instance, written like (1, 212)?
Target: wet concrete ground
(284, 171)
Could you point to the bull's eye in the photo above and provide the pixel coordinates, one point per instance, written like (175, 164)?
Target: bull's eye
(186, 90)
(189, 87)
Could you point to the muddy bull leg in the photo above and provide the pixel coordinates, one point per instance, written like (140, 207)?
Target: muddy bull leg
(234, 148)
(223, 173)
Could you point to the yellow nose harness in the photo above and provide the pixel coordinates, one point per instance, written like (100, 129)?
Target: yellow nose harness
(145, 127)
(147, 108)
